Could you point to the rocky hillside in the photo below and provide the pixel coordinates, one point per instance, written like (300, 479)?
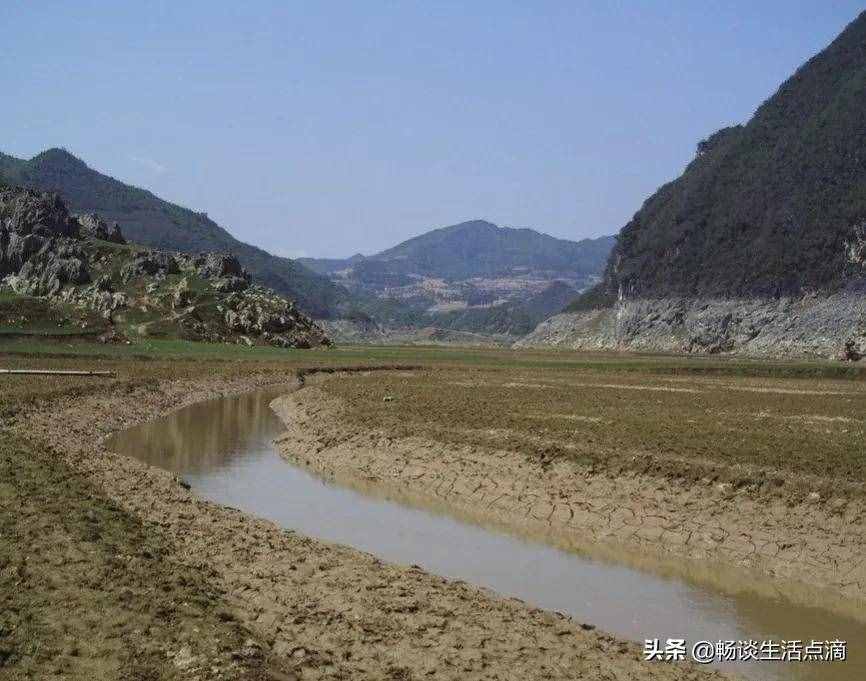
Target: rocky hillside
(68, 274)
(156, 223)
(760, 245)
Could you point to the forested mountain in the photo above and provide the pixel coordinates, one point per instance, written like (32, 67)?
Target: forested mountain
(473, 276)
(774, 207)
(151, 221)
(475, 249)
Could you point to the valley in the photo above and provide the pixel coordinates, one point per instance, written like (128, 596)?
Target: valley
(274, 592)
(632, 448)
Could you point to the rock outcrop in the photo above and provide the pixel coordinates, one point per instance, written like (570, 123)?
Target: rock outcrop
(759, 247)
(52, 267)
(83, 262)
(224, 269)
(24, 211)
(92, 225)
(38, 243)
(259, 312)
(825, 326)
(150, 264)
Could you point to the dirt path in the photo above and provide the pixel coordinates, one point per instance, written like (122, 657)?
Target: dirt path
(316, 610)
(819, 547)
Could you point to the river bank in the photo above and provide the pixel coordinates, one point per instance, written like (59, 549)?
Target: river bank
(309, 609)
(812, 326)
(816, 545)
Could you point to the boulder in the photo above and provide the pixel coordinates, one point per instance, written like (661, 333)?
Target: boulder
(149, 264)
(16, 249)
(219, 265)
(49, 270)
(25, 211)
(93, 226)
(181, 295)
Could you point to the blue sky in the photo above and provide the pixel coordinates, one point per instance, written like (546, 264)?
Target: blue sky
(328, 128)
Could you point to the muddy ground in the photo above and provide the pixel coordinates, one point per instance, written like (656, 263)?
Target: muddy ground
(808, 532)
(111, 569)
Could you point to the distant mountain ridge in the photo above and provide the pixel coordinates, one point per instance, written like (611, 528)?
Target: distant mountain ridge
(157, 223)
(472, 276)
(478, 248)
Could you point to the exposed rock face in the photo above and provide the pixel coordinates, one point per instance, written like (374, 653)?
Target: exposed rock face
(25, 211)
(759, 247)
(29, 220)
(92, 225)
(217, 265)
(159, 224)
(260, 313)
(181, 296)
(98, 297)
(46, 253)
(226, 271)
(50, 269)
(810, 326)
(150, 263)
(38, 243)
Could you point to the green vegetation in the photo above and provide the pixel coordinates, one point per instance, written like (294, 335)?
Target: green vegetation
(771, 208)
(739, 428)
(148, 220)
(17, 352)
(28, 316)
(508, 319)
(474, 249)
(515, 319)
(462, 254)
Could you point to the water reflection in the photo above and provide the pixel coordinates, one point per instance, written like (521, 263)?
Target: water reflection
(224, 449)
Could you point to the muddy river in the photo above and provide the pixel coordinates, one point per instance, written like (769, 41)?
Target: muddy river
(223, 448)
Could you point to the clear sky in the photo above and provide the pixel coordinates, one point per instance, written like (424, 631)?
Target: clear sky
(327, 128)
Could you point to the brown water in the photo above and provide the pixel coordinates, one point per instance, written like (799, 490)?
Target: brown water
(223, 448)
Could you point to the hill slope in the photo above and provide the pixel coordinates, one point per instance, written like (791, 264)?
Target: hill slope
(151, 221)
(776, 207)
(473, 276)
(760, 246)
(66, 275)
(477, 249)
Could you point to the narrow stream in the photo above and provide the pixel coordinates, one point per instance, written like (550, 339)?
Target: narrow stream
(223, 448)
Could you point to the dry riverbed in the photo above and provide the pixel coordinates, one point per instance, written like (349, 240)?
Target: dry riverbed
(112, 569)
(550, 469)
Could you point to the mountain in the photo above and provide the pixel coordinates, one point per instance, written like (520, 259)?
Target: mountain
(76, 275)
(515, 318)
(760, 245)
(774, 207)
(473, 276)
(476, 249)
(153, 222)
